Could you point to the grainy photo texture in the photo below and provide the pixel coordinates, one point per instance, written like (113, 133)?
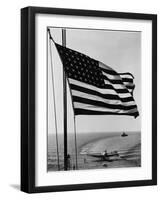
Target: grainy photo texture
(93, 99)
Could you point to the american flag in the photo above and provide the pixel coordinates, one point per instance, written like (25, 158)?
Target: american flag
(97, 89)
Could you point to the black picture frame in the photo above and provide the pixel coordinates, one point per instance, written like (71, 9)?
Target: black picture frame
(28, 98)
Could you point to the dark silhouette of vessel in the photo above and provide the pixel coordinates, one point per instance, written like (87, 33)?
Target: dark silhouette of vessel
(124, 134)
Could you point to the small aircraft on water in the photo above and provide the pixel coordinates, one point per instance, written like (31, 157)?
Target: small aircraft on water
(105, 156)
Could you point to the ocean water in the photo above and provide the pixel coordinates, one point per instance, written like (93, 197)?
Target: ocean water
(128, 148)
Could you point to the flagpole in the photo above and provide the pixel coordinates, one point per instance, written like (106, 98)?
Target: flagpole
(75, 135)
(65, 107)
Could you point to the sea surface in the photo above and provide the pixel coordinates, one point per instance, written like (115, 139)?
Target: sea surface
(88, 144)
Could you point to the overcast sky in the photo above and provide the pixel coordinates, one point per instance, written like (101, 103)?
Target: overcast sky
(118, 49)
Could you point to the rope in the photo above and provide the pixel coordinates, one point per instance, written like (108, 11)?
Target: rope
(54, 99)
(50, 37)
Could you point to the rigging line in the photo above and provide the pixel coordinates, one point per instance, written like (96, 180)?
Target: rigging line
(50, 36)
(54, 101)
(76, 158)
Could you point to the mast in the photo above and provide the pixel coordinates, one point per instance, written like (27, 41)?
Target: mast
(65, 107)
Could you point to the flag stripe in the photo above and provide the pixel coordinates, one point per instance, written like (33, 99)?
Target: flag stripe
(97, 98)
(127, 80)
(81, 111)
(112, 77)
(130, 86)
(102, 104)
(118, 79)
(113, 81)
(96, 108)
(99, 92)
(121, 90)
(127, 74)
(121, 86)
(106, 96)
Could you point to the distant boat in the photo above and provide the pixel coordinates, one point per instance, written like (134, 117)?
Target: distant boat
(124, 134)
